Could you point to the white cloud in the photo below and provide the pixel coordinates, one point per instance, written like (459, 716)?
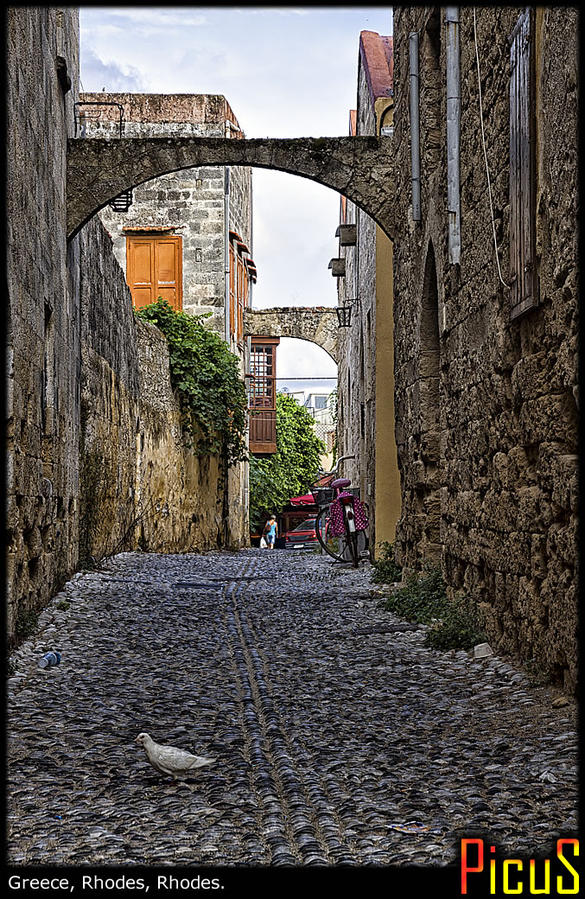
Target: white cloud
(109, 75)
(152, 17)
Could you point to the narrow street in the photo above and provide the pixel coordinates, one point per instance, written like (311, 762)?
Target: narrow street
(336, 732)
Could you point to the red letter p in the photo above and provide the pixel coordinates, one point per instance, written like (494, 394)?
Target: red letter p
(465, 868)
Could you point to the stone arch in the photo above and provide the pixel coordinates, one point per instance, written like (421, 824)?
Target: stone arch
(360, 168)
(317, 325)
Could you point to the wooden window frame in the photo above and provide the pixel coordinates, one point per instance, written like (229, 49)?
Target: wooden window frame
(523, 261)
(239, 290)
(151, 237)
(262, 406)
(232, 289)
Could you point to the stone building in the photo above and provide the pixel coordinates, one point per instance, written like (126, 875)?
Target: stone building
(205, 211)
(95, 460)
(186, 236)
(365, 347)
(485, 314)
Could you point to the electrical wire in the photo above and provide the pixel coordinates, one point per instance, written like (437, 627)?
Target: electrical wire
(487, 170)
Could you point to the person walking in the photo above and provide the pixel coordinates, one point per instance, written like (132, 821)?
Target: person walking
(270, 531)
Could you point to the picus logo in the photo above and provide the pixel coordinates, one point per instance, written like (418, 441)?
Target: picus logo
(482, 867)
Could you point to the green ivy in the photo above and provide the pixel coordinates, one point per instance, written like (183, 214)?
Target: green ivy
(207, 378)
(289, 471)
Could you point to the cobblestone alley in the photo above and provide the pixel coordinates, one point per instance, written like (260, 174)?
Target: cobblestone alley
(337, 733)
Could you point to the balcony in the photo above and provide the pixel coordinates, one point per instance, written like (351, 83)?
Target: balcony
(262, 430)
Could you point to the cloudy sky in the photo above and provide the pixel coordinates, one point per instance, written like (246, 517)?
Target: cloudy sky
(286, 72)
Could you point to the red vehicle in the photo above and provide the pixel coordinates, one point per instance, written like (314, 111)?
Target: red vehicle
(302, 537)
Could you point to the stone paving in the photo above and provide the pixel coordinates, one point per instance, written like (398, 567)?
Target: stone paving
(340, 738)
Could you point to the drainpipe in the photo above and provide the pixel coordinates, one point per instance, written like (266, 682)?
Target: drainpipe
(414, 125)
(453, 131)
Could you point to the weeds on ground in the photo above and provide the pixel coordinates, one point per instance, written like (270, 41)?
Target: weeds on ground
(421, 598)
(26, 624)
(458, 628)
(453, 624)
(385, 570)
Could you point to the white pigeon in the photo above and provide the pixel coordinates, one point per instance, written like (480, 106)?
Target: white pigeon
(170, 760)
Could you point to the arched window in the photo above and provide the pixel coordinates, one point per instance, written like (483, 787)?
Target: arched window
(429, 495)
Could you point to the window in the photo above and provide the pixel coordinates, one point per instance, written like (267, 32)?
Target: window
(154, 269)
(262, 394)
(239, 284)
(523, 269)
(263, 368)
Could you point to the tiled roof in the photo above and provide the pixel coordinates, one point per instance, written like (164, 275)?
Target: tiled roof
(377, 57)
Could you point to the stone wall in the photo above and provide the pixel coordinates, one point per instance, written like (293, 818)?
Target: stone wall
(201, 205)
(317, 324)
(139, 485)
(95, 459)
(42, 340)
(486, 406)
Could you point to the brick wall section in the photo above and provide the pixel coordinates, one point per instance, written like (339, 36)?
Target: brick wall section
(191, 203)
(489, 462)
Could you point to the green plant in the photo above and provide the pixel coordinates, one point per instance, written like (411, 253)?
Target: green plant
(206, 376)
(453, 623)
(421, 598)
(385, 570)
(291, 469)
(25, 624)
(459, 627)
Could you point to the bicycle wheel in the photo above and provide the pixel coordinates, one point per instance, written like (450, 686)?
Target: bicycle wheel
(334, 546)
(351, 536)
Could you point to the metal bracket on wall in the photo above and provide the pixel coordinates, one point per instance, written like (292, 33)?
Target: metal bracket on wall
(123, 201)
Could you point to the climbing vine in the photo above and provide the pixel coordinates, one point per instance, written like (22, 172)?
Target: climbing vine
(206, 376)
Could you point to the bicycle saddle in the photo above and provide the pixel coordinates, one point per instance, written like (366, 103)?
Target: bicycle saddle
(341, 483)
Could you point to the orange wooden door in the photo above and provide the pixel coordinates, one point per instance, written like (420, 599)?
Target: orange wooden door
(154, 269)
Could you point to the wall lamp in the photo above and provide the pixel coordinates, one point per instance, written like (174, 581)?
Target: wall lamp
(343, 316)
(122, 202)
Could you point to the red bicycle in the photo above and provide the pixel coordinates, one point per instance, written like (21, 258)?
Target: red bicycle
(341, 525)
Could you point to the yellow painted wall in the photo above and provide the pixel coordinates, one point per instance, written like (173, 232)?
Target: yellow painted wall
(387, 475)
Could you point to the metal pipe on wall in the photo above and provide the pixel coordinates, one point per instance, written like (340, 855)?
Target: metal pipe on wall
(414, 124)
(453, 132)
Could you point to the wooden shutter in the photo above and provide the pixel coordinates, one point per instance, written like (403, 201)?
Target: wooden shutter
(523, 269)
(262, 402)
(140, 270)
(154, 269)
(242, 284)
(232, 298)
(168, 270)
